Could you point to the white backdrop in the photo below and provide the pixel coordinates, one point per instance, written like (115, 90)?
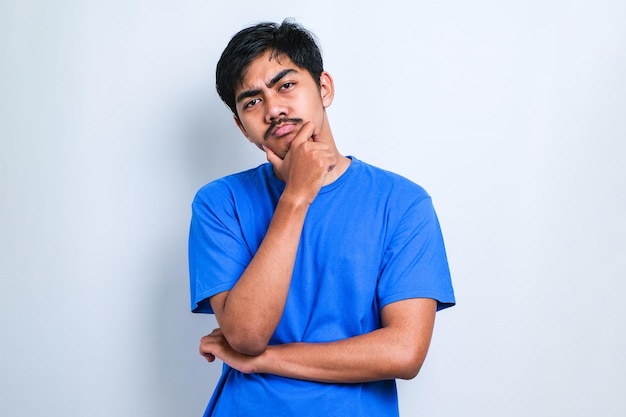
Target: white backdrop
(513, 117)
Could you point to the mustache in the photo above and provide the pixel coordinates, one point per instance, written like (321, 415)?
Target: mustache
(280, 121)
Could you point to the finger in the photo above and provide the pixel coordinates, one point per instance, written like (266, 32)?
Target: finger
(272, 158)
(208, 356)
(206, 351)
(305, 134)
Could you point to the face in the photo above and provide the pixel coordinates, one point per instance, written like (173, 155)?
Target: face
(276, 97)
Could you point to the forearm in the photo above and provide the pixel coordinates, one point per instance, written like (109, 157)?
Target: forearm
(249, 313)
(381, 354)
(396, 350)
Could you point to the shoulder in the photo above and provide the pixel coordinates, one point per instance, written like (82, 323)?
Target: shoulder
(233, 185)
(390, 183)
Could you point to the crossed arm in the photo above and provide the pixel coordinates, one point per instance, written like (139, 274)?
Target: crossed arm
(396, 350)
(249, 313)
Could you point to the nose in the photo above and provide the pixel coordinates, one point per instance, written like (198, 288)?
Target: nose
(275, 108)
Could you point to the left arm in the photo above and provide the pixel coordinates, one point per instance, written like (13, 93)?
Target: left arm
(396, 350)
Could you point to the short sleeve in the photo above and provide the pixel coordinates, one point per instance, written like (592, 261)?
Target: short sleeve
(415, 264)
(218, 254)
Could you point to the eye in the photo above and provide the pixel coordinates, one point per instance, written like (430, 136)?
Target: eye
(251, 103)
(287, 85)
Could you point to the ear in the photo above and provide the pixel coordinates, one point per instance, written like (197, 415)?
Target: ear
(327, 89)
(240, 126)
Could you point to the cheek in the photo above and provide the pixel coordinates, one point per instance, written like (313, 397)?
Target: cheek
(251, 131)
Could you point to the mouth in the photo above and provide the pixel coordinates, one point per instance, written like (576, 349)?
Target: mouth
(281, 127)
(283, 130)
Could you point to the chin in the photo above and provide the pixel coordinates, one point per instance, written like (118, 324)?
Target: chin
(281, 153)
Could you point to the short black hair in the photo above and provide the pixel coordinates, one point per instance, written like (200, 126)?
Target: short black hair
(288, 38)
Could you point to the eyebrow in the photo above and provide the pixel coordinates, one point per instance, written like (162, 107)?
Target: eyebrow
(270, 84)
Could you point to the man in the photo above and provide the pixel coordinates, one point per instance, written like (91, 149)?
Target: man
(324, 272)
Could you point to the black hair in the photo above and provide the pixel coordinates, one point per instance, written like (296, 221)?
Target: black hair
(288, 38)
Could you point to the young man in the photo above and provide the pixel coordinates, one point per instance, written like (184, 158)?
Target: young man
(324, 272)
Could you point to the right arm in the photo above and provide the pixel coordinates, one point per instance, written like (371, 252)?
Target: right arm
(249, 313)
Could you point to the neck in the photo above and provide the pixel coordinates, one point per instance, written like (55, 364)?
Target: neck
(343, 163)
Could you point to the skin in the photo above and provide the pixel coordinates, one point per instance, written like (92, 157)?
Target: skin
(282, 111)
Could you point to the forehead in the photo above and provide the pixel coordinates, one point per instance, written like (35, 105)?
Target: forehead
(263, 68)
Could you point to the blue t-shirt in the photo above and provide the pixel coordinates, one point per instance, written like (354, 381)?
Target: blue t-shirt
(370, 238)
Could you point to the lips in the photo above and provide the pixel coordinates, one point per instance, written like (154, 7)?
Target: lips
(283, 130)
(282, 127)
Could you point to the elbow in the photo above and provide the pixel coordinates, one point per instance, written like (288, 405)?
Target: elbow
(247, 344)
(408, 365)
(408, 372)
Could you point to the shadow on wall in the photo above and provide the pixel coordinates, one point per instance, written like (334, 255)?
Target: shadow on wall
(182, 379)
(212, 147)
(215, 145)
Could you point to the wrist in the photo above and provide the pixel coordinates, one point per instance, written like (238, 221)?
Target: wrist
(294, 201)
(262, 363)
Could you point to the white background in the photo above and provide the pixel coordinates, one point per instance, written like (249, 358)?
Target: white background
(511, 114)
